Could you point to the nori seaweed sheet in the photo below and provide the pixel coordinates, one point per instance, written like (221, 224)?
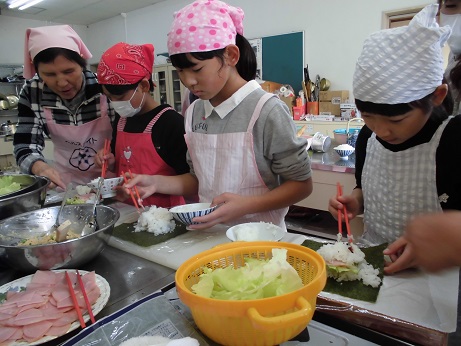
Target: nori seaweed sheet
(125, 231)
(356, 289)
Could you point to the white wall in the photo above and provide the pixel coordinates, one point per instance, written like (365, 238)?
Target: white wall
(12, 33)
(334, 29)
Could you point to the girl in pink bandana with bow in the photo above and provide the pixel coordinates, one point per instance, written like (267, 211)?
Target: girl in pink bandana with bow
(243, 150)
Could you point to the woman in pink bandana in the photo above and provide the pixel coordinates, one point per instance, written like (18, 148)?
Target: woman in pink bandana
(64, 102)
(148, 137)
(242, 146)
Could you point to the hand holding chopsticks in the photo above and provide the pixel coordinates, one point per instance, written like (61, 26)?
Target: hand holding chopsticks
(350, 239)
(105, 152)
(137, 202)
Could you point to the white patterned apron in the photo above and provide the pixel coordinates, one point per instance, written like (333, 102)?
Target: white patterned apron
(397, 186)
(226, 163)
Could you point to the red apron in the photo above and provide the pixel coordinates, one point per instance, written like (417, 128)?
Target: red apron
(76, 146)
(136, 152)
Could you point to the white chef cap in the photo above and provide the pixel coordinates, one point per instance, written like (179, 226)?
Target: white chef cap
(403, 64)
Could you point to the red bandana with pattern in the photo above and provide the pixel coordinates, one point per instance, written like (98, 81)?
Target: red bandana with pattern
(125, 64)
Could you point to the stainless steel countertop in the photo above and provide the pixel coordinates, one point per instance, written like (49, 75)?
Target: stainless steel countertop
(331, 161)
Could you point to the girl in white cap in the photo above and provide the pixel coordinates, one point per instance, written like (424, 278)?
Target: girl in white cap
(406, 157)
(63, 101)
(242, 146)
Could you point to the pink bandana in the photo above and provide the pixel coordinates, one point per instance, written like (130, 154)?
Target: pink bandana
(55, 36)
(124, 64)
(203, 26)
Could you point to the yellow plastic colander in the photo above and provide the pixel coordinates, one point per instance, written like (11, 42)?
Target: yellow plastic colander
(268, 321)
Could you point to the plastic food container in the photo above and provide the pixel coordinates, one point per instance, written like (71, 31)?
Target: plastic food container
(268, 321)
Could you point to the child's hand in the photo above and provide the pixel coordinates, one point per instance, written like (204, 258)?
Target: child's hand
(231, 207)
(401, 255)
(338, 203)
(147, 184)
(100, 157)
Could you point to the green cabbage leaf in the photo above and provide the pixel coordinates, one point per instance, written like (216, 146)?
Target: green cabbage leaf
(255, 280)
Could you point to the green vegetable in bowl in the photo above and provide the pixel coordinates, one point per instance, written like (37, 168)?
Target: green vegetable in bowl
(256, 280)
(7, 185)
(75, 200)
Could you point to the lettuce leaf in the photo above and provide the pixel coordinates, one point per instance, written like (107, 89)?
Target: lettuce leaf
(256, 279)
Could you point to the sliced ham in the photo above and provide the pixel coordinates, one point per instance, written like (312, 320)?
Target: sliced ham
(6, 333)
(44, 308)
(58, 330)
(36, 331)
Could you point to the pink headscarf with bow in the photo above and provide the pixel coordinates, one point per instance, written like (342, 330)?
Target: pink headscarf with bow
(203, 26)
(55, 36)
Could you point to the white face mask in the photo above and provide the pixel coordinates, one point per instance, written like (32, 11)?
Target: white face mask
(454, 21)
(125, 109)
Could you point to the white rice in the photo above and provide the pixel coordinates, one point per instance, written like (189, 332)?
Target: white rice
(253, 231)
(155, 220)
(344, 147)
(339, 251)
(83, 189)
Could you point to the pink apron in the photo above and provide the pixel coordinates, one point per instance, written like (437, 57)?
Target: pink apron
(76, 146)
(226, 163)
(136, 152)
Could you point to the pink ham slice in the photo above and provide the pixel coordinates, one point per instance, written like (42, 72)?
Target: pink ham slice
(36, 331)
(6, 333)
(58, 330)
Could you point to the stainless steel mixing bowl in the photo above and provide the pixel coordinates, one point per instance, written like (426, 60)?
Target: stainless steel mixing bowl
(68, 254)
(26, 201)
(26, 181)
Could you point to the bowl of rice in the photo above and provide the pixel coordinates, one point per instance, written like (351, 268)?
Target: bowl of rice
(255, 231)
(187, 212)
(344, 150)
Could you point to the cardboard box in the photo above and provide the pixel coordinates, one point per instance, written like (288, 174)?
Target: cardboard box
(328, 107)
(335, 97)
(271, 87)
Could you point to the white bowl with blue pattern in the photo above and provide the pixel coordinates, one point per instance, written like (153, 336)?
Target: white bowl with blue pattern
(187, 212)
(344, 151)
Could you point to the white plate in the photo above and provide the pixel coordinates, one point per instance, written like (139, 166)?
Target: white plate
(260, 231)
(102, 283)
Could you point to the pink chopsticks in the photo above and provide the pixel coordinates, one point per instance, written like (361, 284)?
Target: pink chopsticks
(106, 151)
(350, 239)
(85, 296)
(74, 300)
(133, 198)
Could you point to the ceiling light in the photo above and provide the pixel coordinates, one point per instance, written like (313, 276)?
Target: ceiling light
(23, 4)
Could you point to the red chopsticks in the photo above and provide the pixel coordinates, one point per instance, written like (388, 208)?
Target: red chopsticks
(74, 300)
(106, 151)
(85, 296)
(137, 192)
(350, 239)
(133, 198)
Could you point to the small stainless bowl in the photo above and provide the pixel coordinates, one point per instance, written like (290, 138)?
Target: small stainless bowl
(68, 254)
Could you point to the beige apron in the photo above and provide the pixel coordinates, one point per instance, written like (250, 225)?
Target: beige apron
(76, 146)
(226, 163)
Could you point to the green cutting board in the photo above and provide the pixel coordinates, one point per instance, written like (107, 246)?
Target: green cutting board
(125, 231)
(356, 289)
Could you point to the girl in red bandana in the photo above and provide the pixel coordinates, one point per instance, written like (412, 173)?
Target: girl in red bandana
(148, 138)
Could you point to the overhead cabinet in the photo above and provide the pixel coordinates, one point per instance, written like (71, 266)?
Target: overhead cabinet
(169, 88)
